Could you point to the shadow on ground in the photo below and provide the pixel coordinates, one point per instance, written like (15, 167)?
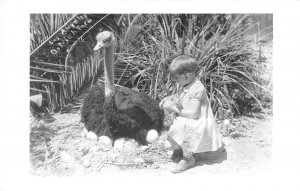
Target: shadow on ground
(211, 157)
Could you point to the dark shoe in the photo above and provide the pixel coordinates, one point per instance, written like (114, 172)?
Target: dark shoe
(184, 164)
(177, 155)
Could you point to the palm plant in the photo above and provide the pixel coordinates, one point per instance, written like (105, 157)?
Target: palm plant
(42, 26)
(61, 58)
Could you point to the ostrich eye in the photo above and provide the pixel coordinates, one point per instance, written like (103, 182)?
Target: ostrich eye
(107, 40)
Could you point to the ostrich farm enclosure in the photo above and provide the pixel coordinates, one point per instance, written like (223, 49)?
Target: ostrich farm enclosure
(59, 147)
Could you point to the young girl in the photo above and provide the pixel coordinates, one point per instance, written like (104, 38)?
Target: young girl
(194, 130)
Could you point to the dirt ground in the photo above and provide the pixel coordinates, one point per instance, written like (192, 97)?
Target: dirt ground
(61, 148)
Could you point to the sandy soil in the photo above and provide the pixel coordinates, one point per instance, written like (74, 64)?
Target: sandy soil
(60, 148)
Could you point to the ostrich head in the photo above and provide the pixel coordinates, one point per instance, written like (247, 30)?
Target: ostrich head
(105, 39)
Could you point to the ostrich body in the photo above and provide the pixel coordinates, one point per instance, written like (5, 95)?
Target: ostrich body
(118, 111)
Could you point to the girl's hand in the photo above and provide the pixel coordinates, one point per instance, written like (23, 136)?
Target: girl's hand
(162, 102)
(170, 107)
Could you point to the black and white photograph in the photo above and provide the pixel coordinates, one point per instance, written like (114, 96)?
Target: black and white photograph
(149, 95)
(150, 92)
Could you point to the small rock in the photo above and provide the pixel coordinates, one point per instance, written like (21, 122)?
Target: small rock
(130, 144)
(84, 150)
(226, 122)
(139, 160)
(115, 156)
(156, 166)
(167, 145)
(96, 148)
(86, 162)
(170, 153)
(143, 148)
(66, 157)
(163, 166)
(84, 132)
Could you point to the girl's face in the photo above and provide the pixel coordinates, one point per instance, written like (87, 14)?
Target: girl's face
(183, 79)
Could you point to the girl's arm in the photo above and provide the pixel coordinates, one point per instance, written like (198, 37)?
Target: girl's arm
(168, 98)
(191, 111)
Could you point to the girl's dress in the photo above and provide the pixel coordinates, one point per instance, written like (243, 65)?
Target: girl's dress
(199, 134)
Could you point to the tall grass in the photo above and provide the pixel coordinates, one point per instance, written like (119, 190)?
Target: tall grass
(228, 66)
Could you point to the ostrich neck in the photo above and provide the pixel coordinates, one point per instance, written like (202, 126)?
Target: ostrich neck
(109, 71)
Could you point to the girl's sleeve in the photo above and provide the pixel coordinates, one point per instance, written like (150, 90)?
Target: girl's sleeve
(198, 91)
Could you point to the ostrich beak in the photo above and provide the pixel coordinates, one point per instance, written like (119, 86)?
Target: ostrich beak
(102, 42)
(98, 45)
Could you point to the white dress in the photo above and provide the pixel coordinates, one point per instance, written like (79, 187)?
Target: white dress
(199, 134)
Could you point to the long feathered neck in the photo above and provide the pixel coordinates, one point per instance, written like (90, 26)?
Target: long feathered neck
(109, 71)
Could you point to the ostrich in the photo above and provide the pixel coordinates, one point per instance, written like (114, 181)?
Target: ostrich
(118, 112)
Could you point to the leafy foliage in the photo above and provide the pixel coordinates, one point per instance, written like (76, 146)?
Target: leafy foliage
(229, 67)
(63, 61)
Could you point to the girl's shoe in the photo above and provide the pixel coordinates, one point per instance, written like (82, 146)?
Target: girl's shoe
(184, 164)
(177, 155)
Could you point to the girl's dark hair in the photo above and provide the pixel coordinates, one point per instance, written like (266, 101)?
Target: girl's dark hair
(183, 64)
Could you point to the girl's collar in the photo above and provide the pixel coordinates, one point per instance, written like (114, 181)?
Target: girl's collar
(187, 86)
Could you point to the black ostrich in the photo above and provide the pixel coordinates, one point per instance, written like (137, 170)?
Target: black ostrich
(118, 111)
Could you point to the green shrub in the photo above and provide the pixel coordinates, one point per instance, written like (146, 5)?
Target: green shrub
(228, 65)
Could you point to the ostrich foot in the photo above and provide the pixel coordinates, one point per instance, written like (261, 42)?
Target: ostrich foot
(152, 136)
(105, 142)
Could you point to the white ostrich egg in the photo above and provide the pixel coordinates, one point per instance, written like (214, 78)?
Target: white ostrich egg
(152, 136)
(119, 143)
(91, 135)
(106, 141)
